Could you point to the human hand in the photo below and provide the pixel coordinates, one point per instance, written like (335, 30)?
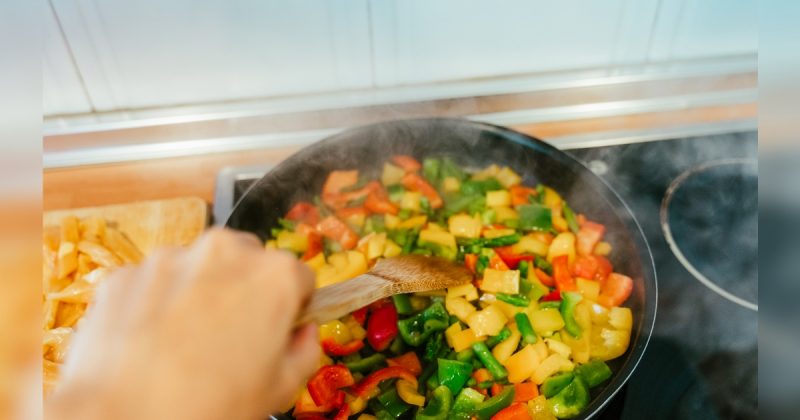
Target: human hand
(198, 333)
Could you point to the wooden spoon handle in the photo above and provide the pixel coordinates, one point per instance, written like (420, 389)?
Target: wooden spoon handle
(337, 300)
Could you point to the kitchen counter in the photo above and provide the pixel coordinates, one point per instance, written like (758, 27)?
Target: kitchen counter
(164, 159)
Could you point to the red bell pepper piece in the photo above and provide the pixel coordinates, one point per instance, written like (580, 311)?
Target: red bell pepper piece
(368, 387)
(332, 348)
(604, 268)
(382, 327)
(588, 236)
(553, 296)
(339, 180)
(409, 361)
(497, 263)
(563, 279)
(378, 201)
(304, 212)
(343, 413)
(511, 258)
(327, 382)
(360, 315)
(471, 260)
(406, 162)
(351, 211)
(616, 290)
(586, 267)
(516, 411)
(495, 389)
(544, 277)
(333, 228)
(525, 392)
(414, 182)
(314, 241)
(521, 195)
(308, 416)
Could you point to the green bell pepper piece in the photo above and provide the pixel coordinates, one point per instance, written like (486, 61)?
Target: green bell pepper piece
(492, 365)
(403, 304)
(475, 187)
(366, 364)
(416, 329)
(594, 373)
(568, 302)
(502, 240)
(438, 406)
(554, 384)
(428, 372)
(535, 217)
(492, 406)
(542, 264)
(497, 339)
(395, 192)
(525, 328)
(569, 215)
(465, 404)
(434, 347)
(450, 168)
(516, 300)
(430, 169)
(453, 374)
(571, 400)
(392, 403)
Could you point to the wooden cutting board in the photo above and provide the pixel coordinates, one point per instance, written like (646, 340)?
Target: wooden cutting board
(149, 224)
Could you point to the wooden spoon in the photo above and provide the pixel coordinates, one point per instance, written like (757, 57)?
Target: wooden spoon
(390, 276)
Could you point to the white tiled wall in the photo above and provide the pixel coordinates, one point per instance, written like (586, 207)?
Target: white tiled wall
(148, 53)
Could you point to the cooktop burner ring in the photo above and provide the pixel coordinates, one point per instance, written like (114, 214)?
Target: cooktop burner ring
(674, 187)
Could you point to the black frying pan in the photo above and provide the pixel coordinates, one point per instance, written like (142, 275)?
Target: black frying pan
(473, 145)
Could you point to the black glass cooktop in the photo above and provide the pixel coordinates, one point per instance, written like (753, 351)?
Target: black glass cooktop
(701, 362)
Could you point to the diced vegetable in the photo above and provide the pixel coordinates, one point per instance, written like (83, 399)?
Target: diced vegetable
(571, 400)
(522, 364)
(438, 406)
(535, 217)
(563, 244)
(500, 198)
(453, 374)
(500, 281)
(492, 406)
(616, 290)
(506, 348)
(546, 320)
(459, 307)
(494, 367)
(392, 175)
(464, 226)
(489, 321)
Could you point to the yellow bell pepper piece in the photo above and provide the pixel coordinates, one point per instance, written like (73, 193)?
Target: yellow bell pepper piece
(621, 318)
(271, 244)
(590, 289)
(563, 244)
(522, 364)
(505, 213)
(486, 173)
(464, 226)
(551, 198)
(376, 245)
(487, 322)
(496, 233)
(459, 307)
(506, 348)
(391, 249)
(546, 320)
(408, 393)
(528, 244)
(500, 198)
(316, 262)
(451, 184)
(608, 343)
(500, 281)
(557, 347)
(392, 174)
(602, 248)
(292, 241)
(467, 291)
(413, 222)
(337, 330)
(451, 332)
(508, 177)
(445, 239)
(464, 339)
(552, 364)
(411, 200)
(391, 221)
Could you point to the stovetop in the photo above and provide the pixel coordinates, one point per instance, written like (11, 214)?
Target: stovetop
(701, 362)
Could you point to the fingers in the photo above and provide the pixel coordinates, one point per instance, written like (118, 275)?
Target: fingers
(303, 355)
